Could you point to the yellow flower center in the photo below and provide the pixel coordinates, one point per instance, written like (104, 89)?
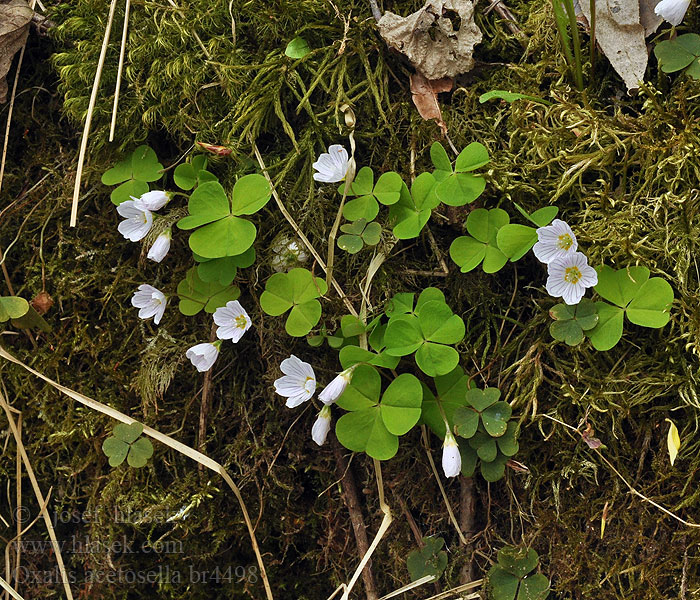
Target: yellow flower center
(572, 274)
(565, 242)
(240, 322)
(306, 383)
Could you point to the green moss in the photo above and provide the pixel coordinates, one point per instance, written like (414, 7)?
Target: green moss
(621, 169)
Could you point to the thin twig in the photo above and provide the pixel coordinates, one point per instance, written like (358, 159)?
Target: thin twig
(458, 590)
(467, 503)
(383, 527)
(204, 405)
(39, 496)
(299, 232)
(450, 512)
(168, 441)
(349, 176)
(88, 118)
(350, 497)
(629, 486)
(117, 87)
(504, 12)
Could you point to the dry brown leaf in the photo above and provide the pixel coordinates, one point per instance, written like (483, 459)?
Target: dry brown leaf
(15, 18)
(424, 92)
(648, 18)
(438, 39)
(621, 37)
(42, 302)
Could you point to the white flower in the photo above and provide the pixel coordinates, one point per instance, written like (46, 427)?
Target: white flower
(203, 356)
(569, 277)
(332, 166)
(161, 246)
(322, 426)
(154, 200)
(138, 220)
(554, 241)
(233, 321)
(672, 11)
(451, 458)
(335, 388)
(286, 253)
(150, 302)
(298, 383)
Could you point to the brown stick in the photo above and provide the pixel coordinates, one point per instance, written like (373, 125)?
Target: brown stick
(349, 493)
(416, 531)
(467, 502)
(504, 12)
(204, 406)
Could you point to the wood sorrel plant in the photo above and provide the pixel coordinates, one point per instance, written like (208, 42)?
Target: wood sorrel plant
(401, 366)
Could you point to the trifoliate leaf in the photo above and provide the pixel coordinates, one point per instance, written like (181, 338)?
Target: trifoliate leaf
(429, 560)
(296, 290)
(196, 295)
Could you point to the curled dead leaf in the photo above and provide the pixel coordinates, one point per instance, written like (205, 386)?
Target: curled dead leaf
(438, 39)
(214, 149)
(424, 93)
(42, 303)
(15, 18)
(588, 437)
(517, 466)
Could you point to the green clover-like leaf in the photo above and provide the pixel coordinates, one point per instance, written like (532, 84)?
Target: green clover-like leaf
(481, 246)
(363, 391)
(127, 433)
(429, 560)
(296, 290)
(459, 186)
(451, 394)
(608, 330)
(508, 442)
(12, 307)
(517, 561)
(223, 270)
(482, 407)
(196, 294)
(189, 174)
(221, 232)
(368, 195)
(571, 321)
(646, 302)
(126, 443)
(133, 173)
(140, 452)
(429, 333)
(401, 404)
(413, 209)
(352, 244)
(359, 233)
(679, 53)
(115, 450)
(495, 469)
(364, 431)
(502, 585)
